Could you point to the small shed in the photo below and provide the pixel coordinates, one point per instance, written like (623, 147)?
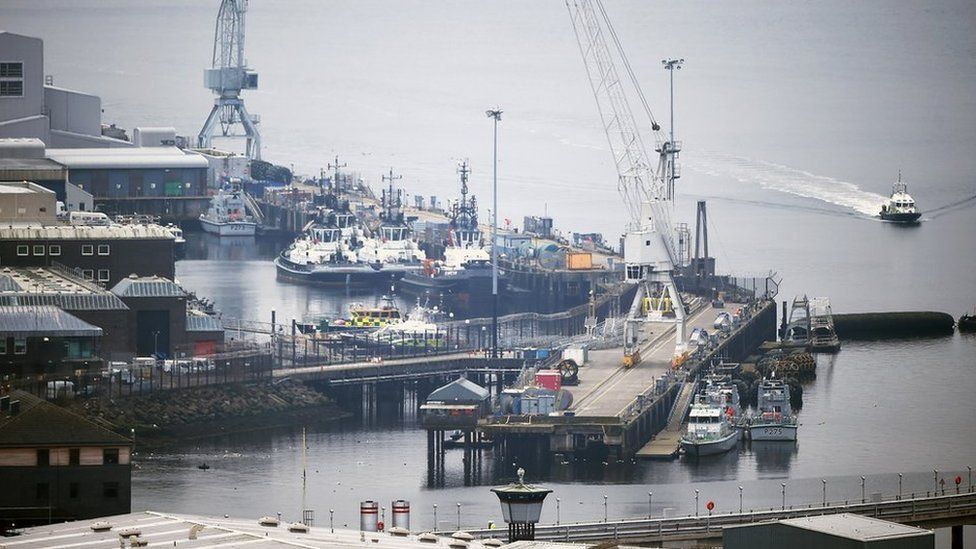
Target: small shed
(457, 405)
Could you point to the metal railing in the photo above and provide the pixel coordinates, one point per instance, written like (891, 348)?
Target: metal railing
(912, 510)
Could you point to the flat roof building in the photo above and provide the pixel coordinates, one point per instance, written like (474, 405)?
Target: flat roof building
(25, 202)
(841, 531)
(31, 107)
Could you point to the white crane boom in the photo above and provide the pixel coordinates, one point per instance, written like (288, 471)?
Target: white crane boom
(649, 251)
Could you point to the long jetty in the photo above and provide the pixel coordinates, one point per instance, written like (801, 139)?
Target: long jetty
(622, 408)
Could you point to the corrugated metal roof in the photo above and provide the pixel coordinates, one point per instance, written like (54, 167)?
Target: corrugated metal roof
(85, 232)
(44, 320)
(129, 157)
(8, 284)
(203, 323)
(152, 286)
(69, 302)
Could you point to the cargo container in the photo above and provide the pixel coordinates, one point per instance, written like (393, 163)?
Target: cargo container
(579, 260)
(549, 379)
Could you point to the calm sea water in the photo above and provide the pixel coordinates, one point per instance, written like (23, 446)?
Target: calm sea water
(795, 119)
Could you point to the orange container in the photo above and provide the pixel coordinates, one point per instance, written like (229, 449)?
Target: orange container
(579, 260)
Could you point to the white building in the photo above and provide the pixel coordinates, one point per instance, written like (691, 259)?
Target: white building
(31, 108)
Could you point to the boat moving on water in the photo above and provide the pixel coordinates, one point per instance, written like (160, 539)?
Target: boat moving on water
(900, 207)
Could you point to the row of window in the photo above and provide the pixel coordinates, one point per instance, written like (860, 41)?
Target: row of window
(11, 79)
(110, 456)
(20, 346)
(55, 249)
(110, 490)
(104, 275)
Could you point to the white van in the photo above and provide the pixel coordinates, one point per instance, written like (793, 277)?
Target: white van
(89, 218)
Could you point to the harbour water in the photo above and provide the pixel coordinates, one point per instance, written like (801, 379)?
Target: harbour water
(795, 119)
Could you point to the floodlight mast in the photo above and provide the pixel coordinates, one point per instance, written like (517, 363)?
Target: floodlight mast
(649, 251)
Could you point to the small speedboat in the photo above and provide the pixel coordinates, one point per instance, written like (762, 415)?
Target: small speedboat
(203, 467)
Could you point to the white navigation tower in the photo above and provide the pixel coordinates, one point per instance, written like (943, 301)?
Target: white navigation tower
(649, 252)
(227, 77)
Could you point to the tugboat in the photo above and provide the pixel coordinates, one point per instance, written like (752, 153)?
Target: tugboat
(392, 253)
(900, 207)
(967, 323)
(774, 418)
(227, 214)
(461, 283)
(326, 252)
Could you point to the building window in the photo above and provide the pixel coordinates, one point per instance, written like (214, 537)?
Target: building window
(20, 345)
(11, 79)
(73, 490)
(23, 250)
(54, 249)
(43, 491)
(74, 456)
(87, 249)
(43, 457)
(88, 274)
(110, 490)
(39, 250)
(110, 456)
(103, 249)
(103, 275)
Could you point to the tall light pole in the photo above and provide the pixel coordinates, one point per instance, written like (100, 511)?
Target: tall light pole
(496, 115)
(670, 65)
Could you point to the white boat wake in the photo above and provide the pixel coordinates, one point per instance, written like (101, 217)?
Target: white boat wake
(778, 177)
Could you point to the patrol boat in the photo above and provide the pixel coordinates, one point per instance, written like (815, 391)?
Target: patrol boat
(774, 418)
(900, 207)
(227, 214)
(461, 283)
(710, 429)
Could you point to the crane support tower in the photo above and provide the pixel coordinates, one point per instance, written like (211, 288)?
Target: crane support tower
(227, 77)
(650, 256)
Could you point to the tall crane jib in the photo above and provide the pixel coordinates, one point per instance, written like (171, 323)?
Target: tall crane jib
(227, 77)
(650, 255)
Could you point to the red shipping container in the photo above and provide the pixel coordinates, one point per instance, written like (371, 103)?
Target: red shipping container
(549, 379)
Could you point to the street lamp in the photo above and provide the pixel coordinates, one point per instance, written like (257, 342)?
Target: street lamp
(696, 503)
(862, 489)
(331, 524)
(435, 517)
(740, 499)
(783, 484)
(557, 511)
(899, 485)
(604, 508)
(824, 481)
(496, 115)
(459, 516)
(650, 496)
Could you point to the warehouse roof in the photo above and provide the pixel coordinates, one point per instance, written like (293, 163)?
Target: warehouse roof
(166, 529)
(148, 286)
(855, 527)
(40, 423)
(58, 287)
(43, 320)
(84, 232)
(126, 158)
(203, 323)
